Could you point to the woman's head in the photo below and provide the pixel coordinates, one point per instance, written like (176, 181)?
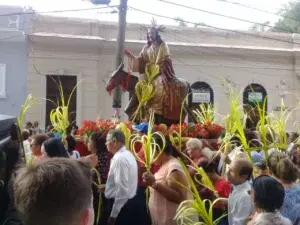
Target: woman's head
(267, 194)
(167, 151)
(36, 143)
(283, 168)
(71, 143)
(194, 147)
(97, 143)
(54, 147)
(260, 169)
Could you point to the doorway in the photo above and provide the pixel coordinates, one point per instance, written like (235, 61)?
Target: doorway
(202, 93)
(254, 95)
(53, 95)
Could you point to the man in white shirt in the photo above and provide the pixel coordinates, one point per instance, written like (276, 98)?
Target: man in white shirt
(240, 205)
(121, 185)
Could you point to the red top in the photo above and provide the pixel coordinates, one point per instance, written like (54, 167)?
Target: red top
(223, 188)
(82, 149)
(154, 169)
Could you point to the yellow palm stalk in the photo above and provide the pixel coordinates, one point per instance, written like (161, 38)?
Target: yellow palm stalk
(59, 117)
(204, 114)
(149, 145)
(195, 208)
(127, 133)
(145, 89)
(279, 123)
(29, 102)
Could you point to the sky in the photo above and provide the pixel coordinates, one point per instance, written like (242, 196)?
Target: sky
(160, 8)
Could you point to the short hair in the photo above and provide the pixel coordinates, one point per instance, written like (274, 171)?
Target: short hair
(39, 139)
(71, 143)
(54, 147)
(28, 124)
(260, 165)
(194, 143)
(294, 136)
(283, 168)
(50, 134)
(54, 191)
(117, 135)
(268, 193)
(98, 140)
(25, 135)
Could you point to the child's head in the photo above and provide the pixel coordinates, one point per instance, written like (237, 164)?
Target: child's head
(260, 168)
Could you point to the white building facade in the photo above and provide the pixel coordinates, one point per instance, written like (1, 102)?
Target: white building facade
(85, 49)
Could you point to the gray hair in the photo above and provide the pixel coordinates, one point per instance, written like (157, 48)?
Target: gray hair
(194, 143)
(117, 135)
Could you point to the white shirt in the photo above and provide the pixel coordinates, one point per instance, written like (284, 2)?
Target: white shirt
(122, 179)
(240, 205)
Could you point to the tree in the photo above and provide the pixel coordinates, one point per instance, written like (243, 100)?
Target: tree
(180, 21)
(290, 21)
(200, 24)
(260, 27)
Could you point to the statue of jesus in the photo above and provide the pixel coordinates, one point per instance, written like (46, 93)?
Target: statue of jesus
(155, 52)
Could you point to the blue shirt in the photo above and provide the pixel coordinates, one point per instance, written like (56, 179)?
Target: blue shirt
(291, 205)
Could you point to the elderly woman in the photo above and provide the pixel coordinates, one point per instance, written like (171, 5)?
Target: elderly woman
(194, 148)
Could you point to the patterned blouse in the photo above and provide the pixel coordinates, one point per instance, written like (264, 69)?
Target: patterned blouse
(270, 219)
(291, 205)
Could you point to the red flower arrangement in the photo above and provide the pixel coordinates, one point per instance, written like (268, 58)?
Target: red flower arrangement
(201, 131)
(88, 127)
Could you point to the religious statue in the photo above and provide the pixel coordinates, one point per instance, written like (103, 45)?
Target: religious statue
(156, 88)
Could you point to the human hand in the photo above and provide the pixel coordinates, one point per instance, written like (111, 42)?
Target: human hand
(128, 53)
(148, 179)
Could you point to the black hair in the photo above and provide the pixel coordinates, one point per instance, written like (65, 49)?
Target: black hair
(158, 37)
(260, 165)
(268, 193)
(209, 167)
(71, 143)
(25, 135)
(50, 134)
(98, 140)
(55, 148)
(169, 148)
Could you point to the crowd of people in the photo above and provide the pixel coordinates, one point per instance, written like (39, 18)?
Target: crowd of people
(68, 181)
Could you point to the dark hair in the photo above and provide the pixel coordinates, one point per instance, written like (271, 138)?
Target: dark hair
(294, 136)
(252, 138)
(117, 135)
(283, 168)
(39, 139)
(25, 135)
(29, 124)
(98, 140)
(246, 170)
(158, 37)
(169, 148)
(260, 165)
(50, 134)
(209, 167)
(55, 148)
(268, 193)
(49, 128)
(63, 184)
(71, 143)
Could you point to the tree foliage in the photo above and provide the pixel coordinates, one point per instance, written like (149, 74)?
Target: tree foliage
(290, 20)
